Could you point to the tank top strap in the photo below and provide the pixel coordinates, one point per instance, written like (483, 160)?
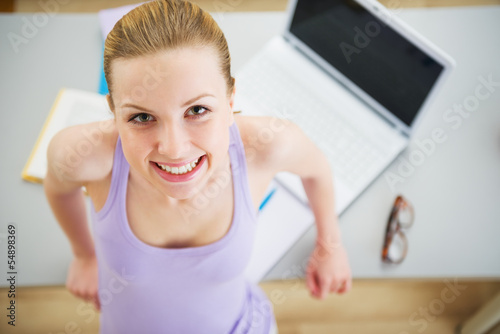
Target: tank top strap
(117, 176)
(240, 170)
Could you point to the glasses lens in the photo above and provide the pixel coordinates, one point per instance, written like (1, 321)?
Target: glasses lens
(405, 215)
(397, 248)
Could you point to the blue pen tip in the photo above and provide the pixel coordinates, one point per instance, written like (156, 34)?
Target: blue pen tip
(266, 199)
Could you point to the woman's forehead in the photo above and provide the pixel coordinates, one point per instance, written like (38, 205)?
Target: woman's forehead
(182, 73)
(201, 59)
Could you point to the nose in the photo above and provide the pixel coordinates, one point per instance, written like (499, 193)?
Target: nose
(173, 141)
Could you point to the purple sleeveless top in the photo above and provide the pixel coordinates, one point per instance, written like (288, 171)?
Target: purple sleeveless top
(148, 289)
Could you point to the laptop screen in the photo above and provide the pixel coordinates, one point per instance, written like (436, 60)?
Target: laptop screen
(388, 67)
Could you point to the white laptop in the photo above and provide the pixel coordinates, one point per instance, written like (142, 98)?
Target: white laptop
(354, 77)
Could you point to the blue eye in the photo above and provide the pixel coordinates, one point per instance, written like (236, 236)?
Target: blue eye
(198, 111)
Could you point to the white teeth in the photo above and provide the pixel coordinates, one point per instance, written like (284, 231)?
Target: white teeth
(181, 169)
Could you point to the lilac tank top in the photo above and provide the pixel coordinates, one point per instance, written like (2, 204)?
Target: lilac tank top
(148, 289)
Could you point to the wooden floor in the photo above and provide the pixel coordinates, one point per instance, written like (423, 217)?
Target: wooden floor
(373, 306)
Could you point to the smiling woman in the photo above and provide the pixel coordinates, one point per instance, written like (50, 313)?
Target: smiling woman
(184, 119)
(174, 193)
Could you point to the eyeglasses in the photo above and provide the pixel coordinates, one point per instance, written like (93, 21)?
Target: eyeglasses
(396, 244)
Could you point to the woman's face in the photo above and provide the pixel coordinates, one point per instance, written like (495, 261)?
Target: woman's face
(173, 116)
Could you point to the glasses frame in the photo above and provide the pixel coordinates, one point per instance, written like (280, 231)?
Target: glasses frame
(394, 226)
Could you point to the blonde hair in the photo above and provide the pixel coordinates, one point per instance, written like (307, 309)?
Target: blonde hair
(162, 25)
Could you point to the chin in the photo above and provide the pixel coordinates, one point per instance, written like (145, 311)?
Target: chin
(183, 194)
(186, 190)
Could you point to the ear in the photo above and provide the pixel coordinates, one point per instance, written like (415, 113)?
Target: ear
(231, 104)
(110, 103)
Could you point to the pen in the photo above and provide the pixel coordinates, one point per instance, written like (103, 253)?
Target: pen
(267, 198)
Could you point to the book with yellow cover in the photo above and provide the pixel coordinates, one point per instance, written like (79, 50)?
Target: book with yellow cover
(71, 107)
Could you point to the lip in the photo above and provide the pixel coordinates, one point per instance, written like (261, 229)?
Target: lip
(177, 164)
(182, 177)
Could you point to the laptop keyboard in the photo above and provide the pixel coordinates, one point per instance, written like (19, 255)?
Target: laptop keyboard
(352, 155)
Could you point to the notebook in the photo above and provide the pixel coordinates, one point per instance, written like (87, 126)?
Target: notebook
(71, 107)
(354, 77)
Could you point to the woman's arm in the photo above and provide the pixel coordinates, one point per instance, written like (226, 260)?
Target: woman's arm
(68, 205)
(328, 269)
(292, 151)
(66, 174)
(63, 189)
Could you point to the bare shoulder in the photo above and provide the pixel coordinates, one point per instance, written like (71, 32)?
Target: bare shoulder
(274, 145)
(82, 153)
(267, 140)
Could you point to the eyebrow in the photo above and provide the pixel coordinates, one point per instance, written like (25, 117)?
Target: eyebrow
(196, 99)
(183, 106)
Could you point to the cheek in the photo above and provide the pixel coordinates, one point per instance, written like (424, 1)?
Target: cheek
(135, 147)
(214, 140)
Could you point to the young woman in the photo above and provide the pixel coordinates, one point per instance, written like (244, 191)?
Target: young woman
(175, 182)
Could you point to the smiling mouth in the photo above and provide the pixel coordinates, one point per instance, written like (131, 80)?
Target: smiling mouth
(179, 170)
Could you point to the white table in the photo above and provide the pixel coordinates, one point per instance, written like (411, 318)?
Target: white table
(456, 188)
(455, 192)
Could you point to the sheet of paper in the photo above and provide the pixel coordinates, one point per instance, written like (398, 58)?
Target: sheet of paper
(280, 224)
